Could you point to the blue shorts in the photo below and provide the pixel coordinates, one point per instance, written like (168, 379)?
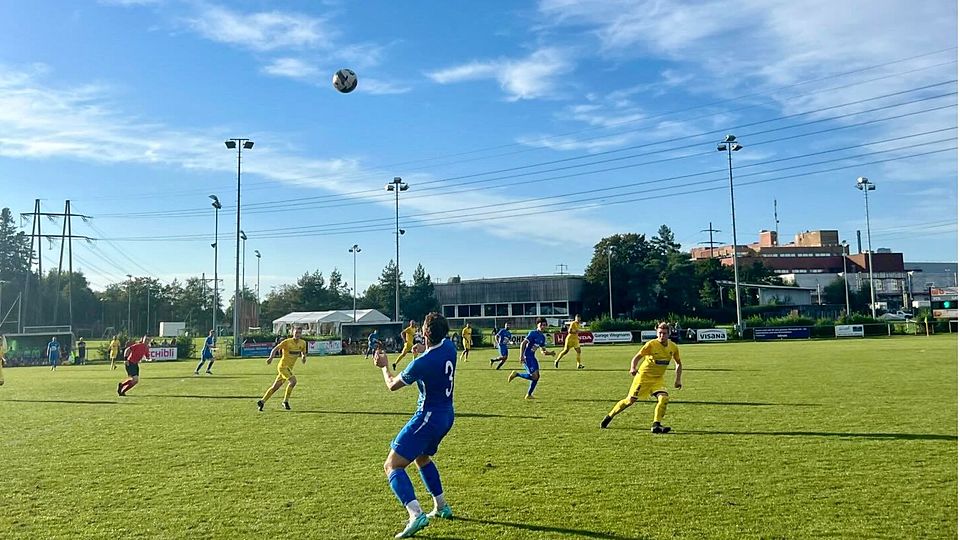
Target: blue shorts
(53, 359)
(531, 364)
(207, 354)
(422, 434)
(503, 351)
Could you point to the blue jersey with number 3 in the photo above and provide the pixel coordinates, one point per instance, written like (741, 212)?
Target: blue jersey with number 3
(433, 371)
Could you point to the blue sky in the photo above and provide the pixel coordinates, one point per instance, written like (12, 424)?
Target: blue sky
(526, 130)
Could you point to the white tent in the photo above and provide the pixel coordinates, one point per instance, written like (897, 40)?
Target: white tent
(325, 322)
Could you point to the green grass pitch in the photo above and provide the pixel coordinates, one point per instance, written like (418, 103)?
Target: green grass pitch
(841, 439)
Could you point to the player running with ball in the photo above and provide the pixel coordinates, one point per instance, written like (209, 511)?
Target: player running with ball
(648, 380)
(433, 372)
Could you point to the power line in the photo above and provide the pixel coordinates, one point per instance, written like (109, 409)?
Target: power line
(325, 200)
(271, 184)
(547, 207)
(630, 185)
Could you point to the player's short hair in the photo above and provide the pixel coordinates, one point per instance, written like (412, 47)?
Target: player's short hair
(436, 326)
(541, 320)
(664, 325)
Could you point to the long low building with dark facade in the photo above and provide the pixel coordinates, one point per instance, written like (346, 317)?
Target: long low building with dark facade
(517, 300)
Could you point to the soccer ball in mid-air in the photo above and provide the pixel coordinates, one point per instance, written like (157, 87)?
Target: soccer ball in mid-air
(345, 80)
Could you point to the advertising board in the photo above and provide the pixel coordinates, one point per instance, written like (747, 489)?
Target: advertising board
(711, 334)
(163, 354)
(848, 330)
(785, 332)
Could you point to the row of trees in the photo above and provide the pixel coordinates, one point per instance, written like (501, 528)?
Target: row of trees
(651, 277)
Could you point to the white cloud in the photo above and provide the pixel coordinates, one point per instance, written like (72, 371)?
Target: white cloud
(381, 87)
(534, 76)
(293, 68)
(40, 122)
(263, 31)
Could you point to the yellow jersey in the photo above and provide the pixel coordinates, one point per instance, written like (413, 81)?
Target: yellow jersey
(467, 335)
(574, 328)
(114, 347)
(290, 349)
(656, 357)
(408, 334)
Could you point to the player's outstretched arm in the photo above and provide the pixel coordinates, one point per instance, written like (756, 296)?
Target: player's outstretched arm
(273, 353)
(679, 372)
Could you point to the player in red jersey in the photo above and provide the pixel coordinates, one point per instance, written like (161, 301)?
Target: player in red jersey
(134, 354)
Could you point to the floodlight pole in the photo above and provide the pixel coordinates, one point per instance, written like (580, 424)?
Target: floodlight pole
(257, 253)
(730, 145)
(129, 284)
(216, 247)
(396, 186)
(846, 287)
(355, 249)
(240, 145)
(610, 280)
(866, 186)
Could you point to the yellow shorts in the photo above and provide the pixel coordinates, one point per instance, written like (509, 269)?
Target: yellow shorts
(407, 347)
(284, 373)
(572, 341)
(645, 386)
(467, 344)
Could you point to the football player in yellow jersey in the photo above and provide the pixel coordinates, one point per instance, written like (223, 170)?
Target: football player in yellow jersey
(572, 342)
(408, 334)
(290, 349)
(467, 335)
(648, 379)
(114, 351)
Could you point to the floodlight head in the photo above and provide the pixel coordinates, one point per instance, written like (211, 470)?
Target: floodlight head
(230, 144)
(214, 245)
(129, 276)
(257, 253)
(388, 187)
(721, 148)
(730, 138)
(404, 187)
(243, 235)
(402, 231)
(247, 145)
(736, 147)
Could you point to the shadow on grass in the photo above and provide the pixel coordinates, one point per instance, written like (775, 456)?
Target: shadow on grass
(877, 436)
(192, 376)
(674, 402)
(193, 396)
(65, 401)
(394, 413)
(583, 533)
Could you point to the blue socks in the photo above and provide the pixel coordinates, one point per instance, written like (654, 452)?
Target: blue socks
(533, 384)
(402, 486)
(431, 479)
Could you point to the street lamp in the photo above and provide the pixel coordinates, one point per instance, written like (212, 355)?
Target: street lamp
(216, 236)
(243, 268)
(866, 186)
(730, 145)
(846, 287)
(129, 283)
(610, 280)
(256, 253)
(355, 249)
(240, 145)
(396, 186)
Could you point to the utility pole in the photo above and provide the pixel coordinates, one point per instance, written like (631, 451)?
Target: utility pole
(66, 241)
(711, 243)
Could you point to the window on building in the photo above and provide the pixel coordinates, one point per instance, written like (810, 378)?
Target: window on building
(495, 310)
(449, 311)
(469, 310)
